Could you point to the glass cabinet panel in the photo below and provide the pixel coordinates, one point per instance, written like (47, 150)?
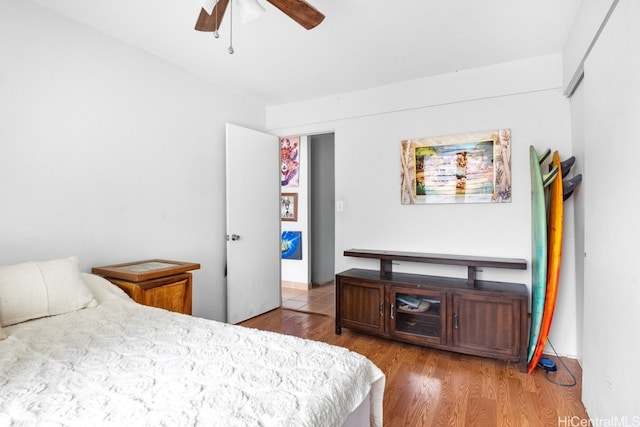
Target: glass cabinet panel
(417, 313)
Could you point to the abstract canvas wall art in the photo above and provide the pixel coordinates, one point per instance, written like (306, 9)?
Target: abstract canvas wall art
(289, 161)
(462, 168)
(291, 245)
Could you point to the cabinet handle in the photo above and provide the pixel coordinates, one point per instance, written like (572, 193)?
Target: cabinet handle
(455, 320)
(392, 311)
(381, 309)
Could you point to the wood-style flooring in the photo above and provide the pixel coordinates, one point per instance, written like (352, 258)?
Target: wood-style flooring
(317, 300)
(428, 387)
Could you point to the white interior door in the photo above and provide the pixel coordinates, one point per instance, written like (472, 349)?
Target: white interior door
(253, 223)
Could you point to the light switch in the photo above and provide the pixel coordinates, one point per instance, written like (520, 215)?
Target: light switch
(339, 206)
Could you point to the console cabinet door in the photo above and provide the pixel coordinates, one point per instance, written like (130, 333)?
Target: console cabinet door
(486, 325)
(362, 306)
(417, 315)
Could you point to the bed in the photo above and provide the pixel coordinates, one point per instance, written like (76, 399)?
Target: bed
(88, 355)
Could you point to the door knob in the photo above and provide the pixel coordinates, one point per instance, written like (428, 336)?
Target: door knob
(235, 237)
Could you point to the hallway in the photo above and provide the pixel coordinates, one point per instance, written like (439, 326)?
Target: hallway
(317, 300)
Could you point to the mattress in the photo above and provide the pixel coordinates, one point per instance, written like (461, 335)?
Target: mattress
(121, 363)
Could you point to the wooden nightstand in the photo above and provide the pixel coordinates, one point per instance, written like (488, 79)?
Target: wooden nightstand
(155, 282)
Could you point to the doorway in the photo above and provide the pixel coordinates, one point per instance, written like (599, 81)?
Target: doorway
(318, 294)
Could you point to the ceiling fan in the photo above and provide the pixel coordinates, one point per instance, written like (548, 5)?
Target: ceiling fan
(298, 10)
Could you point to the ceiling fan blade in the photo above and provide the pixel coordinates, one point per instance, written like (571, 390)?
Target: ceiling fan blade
(208, 22)
(300, 11)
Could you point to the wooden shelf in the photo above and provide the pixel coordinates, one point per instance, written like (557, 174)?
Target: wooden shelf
(140, 271)
(479, 317)
(471, 262)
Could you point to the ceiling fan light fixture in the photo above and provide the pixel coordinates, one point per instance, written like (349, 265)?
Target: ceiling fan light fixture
(213, 10)
(249, 10)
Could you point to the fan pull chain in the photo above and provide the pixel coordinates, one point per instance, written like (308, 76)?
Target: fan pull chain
(230, 50)
(215, 32)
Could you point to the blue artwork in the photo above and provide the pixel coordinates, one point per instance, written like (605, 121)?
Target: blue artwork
(291, 245)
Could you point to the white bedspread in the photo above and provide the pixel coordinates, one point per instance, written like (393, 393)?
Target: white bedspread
(123, 364)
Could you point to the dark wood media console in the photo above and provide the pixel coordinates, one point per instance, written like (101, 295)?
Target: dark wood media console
(478, 317)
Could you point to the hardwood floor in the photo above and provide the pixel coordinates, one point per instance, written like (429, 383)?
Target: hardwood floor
(317, 300)
(427, 387)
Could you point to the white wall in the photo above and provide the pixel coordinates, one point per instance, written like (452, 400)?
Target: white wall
(322, 208)
(591, 19)
(294, 270)
(579, 196)
(525, 96)
(109, 153)
(611, 278)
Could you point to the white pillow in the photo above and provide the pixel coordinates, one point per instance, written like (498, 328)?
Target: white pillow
(38, 289)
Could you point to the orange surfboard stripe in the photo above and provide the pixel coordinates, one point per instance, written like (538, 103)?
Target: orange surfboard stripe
(554, 256)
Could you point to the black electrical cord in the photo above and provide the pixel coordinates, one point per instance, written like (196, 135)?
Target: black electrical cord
(565, 367)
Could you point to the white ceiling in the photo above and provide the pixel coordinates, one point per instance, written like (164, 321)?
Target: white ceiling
(360, 44)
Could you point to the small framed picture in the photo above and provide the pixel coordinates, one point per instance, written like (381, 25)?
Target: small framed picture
(289, 206)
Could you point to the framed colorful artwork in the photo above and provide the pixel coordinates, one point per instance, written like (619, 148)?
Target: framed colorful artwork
(289, 206)
(289, 161)
(291, 245)
(464, 168)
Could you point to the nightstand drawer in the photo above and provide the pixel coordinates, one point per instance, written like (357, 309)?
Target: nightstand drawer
(171, 293)
(156, 283)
